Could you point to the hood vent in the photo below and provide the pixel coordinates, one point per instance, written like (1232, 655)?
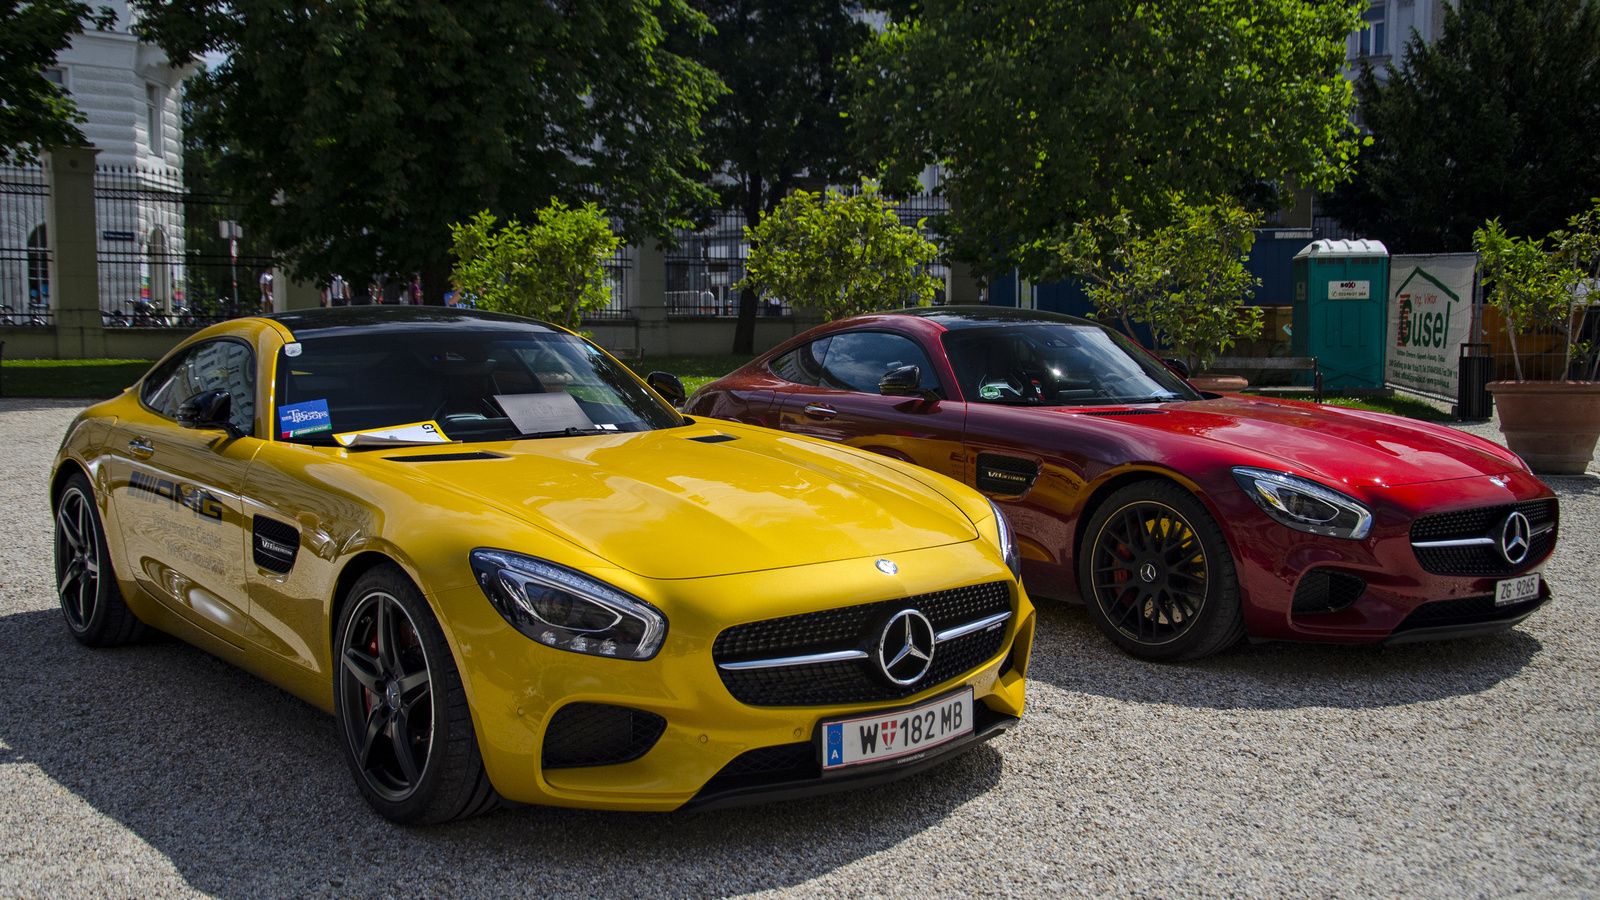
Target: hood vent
(714, 438)
(1128, 412)
(446, 457)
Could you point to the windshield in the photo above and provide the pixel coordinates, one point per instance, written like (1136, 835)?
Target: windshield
(1057, 364)
(471, 386)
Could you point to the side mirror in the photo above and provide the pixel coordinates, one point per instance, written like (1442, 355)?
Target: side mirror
(208, 409)
(1179, 365)
(905, 381)
(668, 386)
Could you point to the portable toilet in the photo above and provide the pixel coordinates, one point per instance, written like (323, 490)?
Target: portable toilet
(1341, 297)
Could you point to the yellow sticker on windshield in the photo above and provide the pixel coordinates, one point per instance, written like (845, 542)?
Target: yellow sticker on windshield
(415, 433)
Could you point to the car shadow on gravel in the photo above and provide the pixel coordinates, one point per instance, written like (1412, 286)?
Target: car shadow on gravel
(243, 788)
(1070, 653)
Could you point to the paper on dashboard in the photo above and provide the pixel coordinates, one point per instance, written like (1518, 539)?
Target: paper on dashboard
(394, 435)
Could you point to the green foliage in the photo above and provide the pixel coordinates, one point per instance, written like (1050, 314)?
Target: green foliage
(843, 255)
(358, 130)
(1044, 113)
(553, 270)
(1185, 279)
(94, 378)
(1538, 288)
(1398, 405)
(694, 371)
(35, 113)
(1496, 120)
(780, 125)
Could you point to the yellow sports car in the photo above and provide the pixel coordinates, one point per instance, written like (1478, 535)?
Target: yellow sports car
(514, 573)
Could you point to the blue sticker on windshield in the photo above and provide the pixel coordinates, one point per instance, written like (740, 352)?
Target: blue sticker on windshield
(309, 417)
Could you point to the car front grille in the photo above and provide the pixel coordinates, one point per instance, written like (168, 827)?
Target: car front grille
(856, 628)
(1482, 523)
(1463, 611)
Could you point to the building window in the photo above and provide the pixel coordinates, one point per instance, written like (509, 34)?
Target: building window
(152, 94)
(38, 269)
(1373, 36)
(56, 76)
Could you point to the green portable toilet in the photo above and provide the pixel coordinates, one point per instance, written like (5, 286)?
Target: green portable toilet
(1341, 295)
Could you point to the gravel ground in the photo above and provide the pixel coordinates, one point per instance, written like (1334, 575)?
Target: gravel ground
(1458, 769)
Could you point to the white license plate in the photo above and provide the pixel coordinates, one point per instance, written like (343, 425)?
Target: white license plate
(1516, 590)
(888, 735)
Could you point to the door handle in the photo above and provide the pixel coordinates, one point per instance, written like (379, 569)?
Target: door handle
(140, 448)
(819, 411)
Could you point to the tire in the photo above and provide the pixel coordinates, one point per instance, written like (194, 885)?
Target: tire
(1173, 598)
(86, 582)
(408, 730)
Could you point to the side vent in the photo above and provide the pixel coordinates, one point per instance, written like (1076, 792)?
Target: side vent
(714, 438)
(446, 457)
(274, 544)
(999, 474)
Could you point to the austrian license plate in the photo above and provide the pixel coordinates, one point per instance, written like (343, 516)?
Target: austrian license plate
(865, 739)
(1516, 590)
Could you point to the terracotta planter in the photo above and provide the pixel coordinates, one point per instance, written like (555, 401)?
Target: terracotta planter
(1219, 383)
(1552, 425)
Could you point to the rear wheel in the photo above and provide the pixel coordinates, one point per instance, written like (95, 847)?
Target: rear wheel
(408, 731)
(1157, 576)
(93, 606)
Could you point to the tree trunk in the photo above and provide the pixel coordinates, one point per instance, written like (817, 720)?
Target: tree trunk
(435, 282)
(744, 331)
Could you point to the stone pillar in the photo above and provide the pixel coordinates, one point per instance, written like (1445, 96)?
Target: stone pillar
(650, 300)
(74, 257)
(289, 294)
(961, 288)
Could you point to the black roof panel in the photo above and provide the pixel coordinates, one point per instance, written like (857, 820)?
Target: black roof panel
(344, 320)
(955, 317)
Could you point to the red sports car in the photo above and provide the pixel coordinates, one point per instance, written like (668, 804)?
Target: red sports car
(1184, 519)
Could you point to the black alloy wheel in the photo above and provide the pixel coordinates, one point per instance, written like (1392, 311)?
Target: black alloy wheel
(408, 731)
(1157, 576)
(86, 583)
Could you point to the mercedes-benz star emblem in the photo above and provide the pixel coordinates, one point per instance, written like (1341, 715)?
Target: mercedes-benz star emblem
(1516, 535)
(905, 647)
(887, 567)
(1148, 572)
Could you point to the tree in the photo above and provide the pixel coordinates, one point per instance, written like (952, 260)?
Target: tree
(358, 130)
(554, 270)
(780, 125)
(1046, 112)
(1499, 119)
(1186, 279)
(1538, 288)
(843, 255)
(34, 112)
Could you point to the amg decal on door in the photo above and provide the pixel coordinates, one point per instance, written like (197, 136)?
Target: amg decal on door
(156, 490)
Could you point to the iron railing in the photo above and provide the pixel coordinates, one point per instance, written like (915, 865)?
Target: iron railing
(24, 247)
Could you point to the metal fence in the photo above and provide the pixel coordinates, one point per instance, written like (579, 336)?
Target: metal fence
(163, 259)
(620, 306)
(24, 247)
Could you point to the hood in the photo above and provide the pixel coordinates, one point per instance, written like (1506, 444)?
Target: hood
(1334, 445)
(664, 506)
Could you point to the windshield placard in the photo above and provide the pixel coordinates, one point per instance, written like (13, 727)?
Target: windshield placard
(541, 413)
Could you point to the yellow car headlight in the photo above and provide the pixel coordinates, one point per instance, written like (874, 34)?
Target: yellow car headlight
(567, 610)
(1008, 542)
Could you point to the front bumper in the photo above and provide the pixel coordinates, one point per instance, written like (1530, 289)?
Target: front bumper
(1396, 592)
(516, 687)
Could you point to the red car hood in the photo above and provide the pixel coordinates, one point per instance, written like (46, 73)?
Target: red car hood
(1332, 444)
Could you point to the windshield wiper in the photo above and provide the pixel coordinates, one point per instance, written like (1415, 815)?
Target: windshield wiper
(569, 431)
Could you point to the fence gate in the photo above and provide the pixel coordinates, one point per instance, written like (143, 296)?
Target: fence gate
(163, 259)
(24, 247)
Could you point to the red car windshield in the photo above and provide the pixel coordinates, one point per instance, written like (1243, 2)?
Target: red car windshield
(1056, 364)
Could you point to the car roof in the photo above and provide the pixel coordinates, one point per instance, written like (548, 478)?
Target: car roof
(343, 320)
(960, 317)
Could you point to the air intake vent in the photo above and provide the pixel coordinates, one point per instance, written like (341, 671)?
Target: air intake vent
(714, 438)
(598, 734)
(1127, 412)
(274, 544)
(446, 457)
(1010, 475)
(1326, 591)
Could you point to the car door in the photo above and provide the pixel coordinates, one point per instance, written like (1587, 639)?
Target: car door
(843, 404)
(176, 489)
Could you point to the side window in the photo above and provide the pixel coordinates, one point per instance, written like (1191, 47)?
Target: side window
(803, 364)
(228, 365)
(857, 360)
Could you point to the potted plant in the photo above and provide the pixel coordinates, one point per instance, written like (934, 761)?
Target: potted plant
(1553, 425)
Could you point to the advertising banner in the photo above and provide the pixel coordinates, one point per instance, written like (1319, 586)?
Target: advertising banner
(1430, 317)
